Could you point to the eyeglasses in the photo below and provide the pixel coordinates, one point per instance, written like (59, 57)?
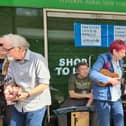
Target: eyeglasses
(1, 44)
(9, 49)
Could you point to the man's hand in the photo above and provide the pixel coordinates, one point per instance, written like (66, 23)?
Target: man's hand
(12, 92)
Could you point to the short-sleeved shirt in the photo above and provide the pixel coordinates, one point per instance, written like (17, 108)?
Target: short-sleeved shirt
(79, 85)
(28, 74)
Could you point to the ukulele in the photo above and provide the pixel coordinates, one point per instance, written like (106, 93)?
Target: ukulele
(12, 90)
(109, 74)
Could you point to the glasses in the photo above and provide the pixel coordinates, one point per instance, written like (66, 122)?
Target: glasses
(1, 45)
(9, 49)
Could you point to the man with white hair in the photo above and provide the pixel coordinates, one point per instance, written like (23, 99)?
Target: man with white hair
(29, 71)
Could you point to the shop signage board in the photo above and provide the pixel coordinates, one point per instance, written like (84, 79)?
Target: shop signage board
(97, 35)
(92, 5)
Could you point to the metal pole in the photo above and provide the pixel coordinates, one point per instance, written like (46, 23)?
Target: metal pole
(46, 49)
(45, 34)
(89, 60)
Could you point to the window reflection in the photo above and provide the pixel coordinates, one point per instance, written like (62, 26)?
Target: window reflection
(28, 12)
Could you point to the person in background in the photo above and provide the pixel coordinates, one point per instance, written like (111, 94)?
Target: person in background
(28, 88)
(107, 89)
(2, 56)
(79, 89)
(4, 63)
(2, 100)
(80, 85)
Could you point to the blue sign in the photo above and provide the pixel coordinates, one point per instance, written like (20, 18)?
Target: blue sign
(97, 35)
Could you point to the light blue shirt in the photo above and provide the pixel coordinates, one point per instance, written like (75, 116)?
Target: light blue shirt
(29, 73)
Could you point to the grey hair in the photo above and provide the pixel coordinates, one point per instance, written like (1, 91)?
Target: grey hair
(17, 40)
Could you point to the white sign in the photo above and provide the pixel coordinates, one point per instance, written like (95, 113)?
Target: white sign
(90, 35)
(120, 32)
